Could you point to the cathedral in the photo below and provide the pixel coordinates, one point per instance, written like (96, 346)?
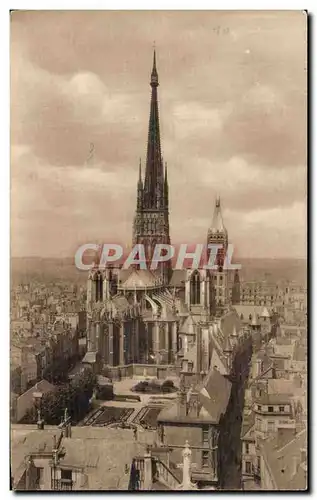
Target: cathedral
(139, 316)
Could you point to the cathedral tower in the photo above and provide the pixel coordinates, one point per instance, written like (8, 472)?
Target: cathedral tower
(218, 235)
(151, 222)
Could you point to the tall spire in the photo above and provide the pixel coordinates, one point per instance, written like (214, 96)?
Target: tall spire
(151, 222)
(153, 184)
(140, 189)
(140, 173)
(154, 75)
(166, 186)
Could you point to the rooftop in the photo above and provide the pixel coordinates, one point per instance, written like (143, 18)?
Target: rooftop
(287, 464)
(98, 451)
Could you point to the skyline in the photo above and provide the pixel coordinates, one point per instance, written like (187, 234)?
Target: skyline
(231, 102)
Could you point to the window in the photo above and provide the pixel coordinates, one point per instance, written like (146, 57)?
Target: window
(270, 409)
(258, 424)
(259, 407)
(281, 408)
(271, 426)
(248, 468)
(247, 448)
(195, 288)
(66, 474)
(205, 435)
(205, 458)
(39, 476)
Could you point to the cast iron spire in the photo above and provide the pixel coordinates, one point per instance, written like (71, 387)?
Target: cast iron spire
(154, 176)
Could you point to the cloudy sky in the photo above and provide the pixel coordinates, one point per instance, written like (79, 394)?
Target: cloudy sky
(232, 101)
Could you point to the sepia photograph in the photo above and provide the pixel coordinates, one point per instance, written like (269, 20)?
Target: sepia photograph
(158, 250)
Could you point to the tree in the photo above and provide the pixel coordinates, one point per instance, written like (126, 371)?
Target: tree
(74, 396)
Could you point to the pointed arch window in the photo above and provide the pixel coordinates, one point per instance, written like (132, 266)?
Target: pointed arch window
(99, 287)
(195, 288)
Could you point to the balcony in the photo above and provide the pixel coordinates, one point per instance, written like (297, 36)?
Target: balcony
(62, 484)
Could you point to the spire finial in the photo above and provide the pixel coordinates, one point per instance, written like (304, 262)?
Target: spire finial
(218, 201)
(154, 75)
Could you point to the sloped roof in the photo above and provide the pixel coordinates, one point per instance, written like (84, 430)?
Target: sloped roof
(178, 278)
(247, 310)
(90, 357)
(280, 461)
(300, 353)
(98, 451)
(188, 326)
(25, 443)
(140, 279)
(280, 386)
(230, 323)
(273, 399)
(215, 394)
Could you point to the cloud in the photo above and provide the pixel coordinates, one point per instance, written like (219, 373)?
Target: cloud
(232, 101)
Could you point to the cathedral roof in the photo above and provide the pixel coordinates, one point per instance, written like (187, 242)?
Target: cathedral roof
(140, 279)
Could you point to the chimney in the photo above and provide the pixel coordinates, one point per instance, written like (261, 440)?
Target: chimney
(67, 424)
(40, 421)
(147, 469)
(55, 451)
